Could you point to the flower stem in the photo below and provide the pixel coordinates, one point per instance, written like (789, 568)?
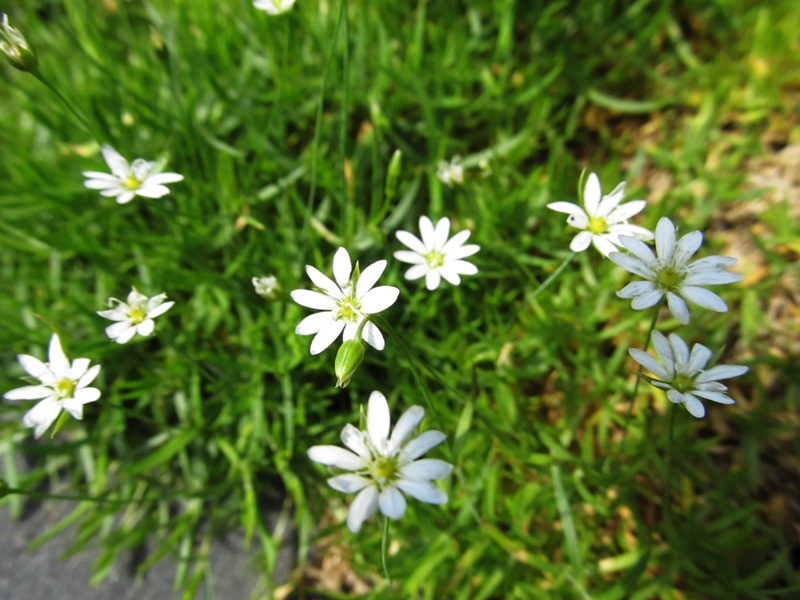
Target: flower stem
(666, 500)
(64, 101)
(638, 378)
(385, 550)
(553, 276)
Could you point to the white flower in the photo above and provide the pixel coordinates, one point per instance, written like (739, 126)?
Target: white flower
(267, 287)
(140, 178)
(134, 316)
(603, 220)
(345, 303)
(274, 7)
(670, 273)
(434, 256)
(451, 173)
(382, 466)
(62, 386)
(683, 374)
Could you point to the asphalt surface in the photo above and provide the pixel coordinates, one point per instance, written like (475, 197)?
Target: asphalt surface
(45, 573)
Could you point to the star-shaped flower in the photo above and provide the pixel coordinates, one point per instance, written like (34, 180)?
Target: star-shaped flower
(62, 385)
(669, 273)
(382, 466)
(344, 303)
(603, 220)
(134, 316)
(274, 7)
(434, 256)
(683, 374)
(126, 181)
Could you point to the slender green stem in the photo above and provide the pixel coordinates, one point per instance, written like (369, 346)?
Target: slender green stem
(64, 101)
(666, 497)
(553, 276)
(638, 377)
(385, 550)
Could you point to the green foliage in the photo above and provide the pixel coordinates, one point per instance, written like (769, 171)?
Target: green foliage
(284, 128)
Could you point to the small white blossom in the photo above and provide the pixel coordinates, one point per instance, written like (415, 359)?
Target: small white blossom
(344, 303)
(670, 272)
(382, 466)
(451, 173)
(267, 287)
(683, 374)
(603, 220)
(274, 7)
(126, 181)
(62, 385)
(134, 316)
(434, 256)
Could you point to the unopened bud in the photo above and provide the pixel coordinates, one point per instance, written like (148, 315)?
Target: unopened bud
(348, 359)
(393, 173)
(267, 287)
(16, 48)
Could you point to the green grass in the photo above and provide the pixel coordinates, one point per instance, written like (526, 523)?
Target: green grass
(284, 128)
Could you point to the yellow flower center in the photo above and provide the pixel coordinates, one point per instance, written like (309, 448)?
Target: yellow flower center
(385, 470)
(65, 388)
(683, 383)
(349, 309)
(598, 225)
(131, 183)
(434, 259)
(669, 279)
(137, 315)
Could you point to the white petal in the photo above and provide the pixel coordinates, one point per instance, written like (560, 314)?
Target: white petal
(407, 256)
(88, 377)
(630, 263)
(591, 194)
(687, 246)
(121, 331)
(603, 244)
(315, 323)
(378, 421)
(152, 191)
(665, 238)
(405, 425)
(463, 252)
(698, 359)
(74, 407)
(392, 503)
(323, 282)
(363, 507)
(456, 242)
(115, 314)
(721, 372)
(432, 279)
(379, 299)
(568, 208)
(372, 335)
(680, 350)
(664, 349)
(678, 308)
(645, 300)
(638, 248)
(354, 439)
(714, 397)
(449, 274)
(315, 300)
(417, 271)
(159, 310)
(427, 232)
(426, 469)
(441, 232)
(58, 360)
(369, 277)
(707, 277)
(118, 165)
(703, 297)
(162, 178)
(29, 392)
(84, 396)
(333, 456)
(33, 366)
(422, 443)
(649, 363)
(694, 406)
(581, 241)
(146, 327)
(325, 337)
(41, 416)
(424, 491)
(625, 211)
(124, 197)
(349, 483)
(412, 241)
(342, 267)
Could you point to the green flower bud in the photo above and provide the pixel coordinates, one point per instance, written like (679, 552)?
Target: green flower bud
(16, 48)
(393, 174)
(348, 359)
